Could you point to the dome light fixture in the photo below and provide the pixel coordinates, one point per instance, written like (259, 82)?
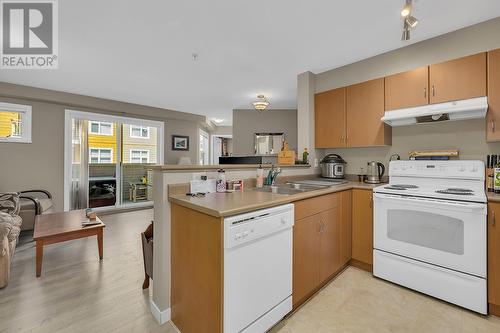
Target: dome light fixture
(409, 21)
(261, 104)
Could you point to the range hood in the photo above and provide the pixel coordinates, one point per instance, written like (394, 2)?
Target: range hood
(456, 110)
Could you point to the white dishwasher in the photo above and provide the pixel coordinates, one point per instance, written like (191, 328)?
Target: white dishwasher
(257, 269)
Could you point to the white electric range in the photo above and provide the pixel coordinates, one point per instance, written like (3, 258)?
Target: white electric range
(430, 230)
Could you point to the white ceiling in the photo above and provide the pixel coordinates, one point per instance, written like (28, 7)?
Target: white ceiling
(141, 51)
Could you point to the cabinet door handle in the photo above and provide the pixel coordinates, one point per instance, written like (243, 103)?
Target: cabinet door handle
(493, 222)
(342, 138)
(493, 125)
(433, 91)
(319, 227)
(425, 92)
(371, 203)
(324, 226)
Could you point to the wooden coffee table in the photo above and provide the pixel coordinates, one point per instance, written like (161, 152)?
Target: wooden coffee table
(61, 227)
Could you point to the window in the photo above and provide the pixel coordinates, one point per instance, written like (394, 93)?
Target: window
(101, 155)
(204, 150)
(15, 123)
(139, 132)
(100, 128)
(139, 156)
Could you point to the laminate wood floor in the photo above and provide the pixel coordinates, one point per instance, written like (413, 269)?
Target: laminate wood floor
(77, 292)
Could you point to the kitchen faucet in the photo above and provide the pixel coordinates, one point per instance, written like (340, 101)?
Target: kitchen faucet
(271, 176)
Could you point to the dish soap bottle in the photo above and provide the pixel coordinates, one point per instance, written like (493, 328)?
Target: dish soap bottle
(260, 177)
(305, 156)
(221, 182)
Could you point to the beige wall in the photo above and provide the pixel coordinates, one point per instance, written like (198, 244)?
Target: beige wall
(223, 130)
(248, 122)
(41, 163)
(467, 136)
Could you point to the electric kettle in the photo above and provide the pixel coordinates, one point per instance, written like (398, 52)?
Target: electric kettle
(374, 173)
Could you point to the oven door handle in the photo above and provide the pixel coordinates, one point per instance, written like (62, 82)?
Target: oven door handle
(432, 202)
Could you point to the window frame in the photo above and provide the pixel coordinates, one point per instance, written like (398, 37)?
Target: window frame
(140, 153)
(99, 123)
(141, 128)
(25, 111)
(99, 155)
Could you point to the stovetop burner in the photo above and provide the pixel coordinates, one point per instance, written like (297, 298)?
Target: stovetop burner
(456, 191)
(400, 187)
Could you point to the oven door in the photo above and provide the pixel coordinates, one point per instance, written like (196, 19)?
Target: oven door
(450, 234)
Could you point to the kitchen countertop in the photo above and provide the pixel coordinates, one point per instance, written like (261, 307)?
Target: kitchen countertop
(493, 197)
(238, 202)
(197, 167)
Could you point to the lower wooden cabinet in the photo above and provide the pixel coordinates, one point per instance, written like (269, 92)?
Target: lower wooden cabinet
(362, 228)
(305, 257)
(494, 258)
(321, 242)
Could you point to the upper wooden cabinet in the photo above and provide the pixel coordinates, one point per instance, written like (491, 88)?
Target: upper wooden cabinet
(493, 115)
(494, 257)
(365, 107)
(458, 79)
(408, 89)
(330, 119)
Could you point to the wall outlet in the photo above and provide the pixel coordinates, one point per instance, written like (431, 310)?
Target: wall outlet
(316, 164)
(197, 175)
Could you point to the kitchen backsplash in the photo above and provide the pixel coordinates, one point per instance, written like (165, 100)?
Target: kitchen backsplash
(468, 136)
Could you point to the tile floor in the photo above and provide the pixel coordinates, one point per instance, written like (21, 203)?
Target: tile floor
(357, 302)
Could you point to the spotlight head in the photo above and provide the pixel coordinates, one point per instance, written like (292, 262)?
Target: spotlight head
(411, 21)
(406, 9)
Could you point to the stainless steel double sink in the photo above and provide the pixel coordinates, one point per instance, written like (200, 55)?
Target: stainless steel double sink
(300, 186)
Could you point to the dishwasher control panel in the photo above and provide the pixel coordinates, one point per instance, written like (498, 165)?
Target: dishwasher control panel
(248, 227)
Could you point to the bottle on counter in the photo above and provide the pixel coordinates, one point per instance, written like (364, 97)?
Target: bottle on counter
(305, 156)
(221, 181)
(260, 177)
(490, 184)
(496, 176)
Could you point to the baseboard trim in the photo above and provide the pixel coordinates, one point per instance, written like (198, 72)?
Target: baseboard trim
(361, 265)
(494, 309)
(161, 316)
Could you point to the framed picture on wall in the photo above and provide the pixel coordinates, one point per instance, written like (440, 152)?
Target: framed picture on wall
(180, 142)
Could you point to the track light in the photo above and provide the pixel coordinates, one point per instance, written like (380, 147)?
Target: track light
(406, 9)
(406, 35)
(409, 21)
(412, 21)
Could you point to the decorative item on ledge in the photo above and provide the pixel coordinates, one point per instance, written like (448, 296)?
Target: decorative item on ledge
(286, 156)
(180, 142)
(444, 154)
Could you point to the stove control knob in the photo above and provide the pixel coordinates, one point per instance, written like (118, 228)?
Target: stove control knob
(461, 168)
(473, 168)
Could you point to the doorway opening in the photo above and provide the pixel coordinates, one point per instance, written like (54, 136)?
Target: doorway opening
(222, 146)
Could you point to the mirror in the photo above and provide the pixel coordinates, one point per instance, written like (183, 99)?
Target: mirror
(268, 143)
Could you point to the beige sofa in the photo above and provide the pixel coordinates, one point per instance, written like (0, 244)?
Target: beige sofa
(10, 228)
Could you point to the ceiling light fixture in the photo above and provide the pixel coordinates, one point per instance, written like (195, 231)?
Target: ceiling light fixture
(261, 104)
(406, 9)
(409, 21)
(412, 21)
